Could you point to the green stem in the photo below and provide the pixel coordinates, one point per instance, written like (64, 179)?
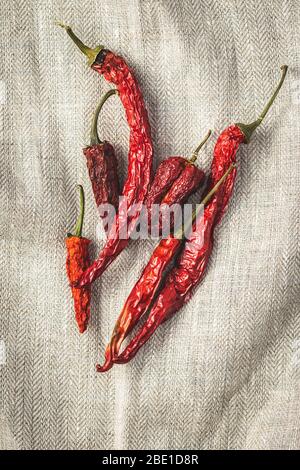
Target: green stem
(180, 233)
(195, 153)
(248, 129)
(94, 131)
(90, 53)
(79, 222)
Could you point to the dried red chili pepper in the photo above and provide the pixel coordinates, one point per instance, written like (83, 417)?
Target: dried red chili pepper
(167, 172)
(147, 286)
(191, 264)
(115, 70)
(228, 144)
(77, 261)
(102, 165)
(176, 179)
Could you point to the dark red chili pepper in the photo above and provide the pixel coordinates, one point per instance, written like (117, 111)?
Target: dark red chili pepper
(147, 286)
(102, 165)
(115, 70)
(167, 172)
(175, 180)
(191, 264)
(77, 262)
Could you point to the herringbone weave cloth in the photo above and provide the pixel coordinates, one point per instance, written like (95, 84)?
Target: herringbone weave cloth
(225, 372)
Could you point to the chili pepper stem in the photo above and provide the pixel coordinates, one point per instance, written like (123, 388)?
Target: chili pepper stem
(248, 129)
(79, 223)
(90, 53)
(196, 152)
(94, 132)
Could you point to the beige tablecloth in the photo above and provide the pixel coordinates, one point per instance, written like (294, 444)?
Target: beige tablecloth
(225, 372)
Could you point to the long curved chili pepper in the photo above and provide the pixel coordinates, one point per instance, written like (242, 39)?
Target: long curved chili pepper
(115, 70)
(102, 165)
(191, 264)
(175, 180)
(77, 261)
(142, 295)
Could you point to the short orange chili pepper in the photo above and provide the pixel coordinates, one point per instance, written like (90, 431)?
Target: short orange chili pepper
(77, 262)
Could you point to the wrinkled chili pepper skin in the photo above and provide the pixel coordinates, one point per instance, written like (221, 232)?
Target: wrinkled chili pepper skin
(174, 181)
(102, 166)
(141, 296)
(166, 174)
(77, 261)
(188, 272)
(115, 70)
(225, 152)
(185, 185)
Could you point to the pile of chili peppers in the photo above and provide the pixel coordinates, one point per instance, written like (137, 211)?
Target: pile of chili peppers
(179, 261)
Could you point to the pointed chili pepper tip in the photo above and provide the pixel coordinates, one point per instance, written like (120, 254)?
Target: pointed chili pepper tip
(104, 368)
(108, 360)
(89, 52)
(248, 129)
